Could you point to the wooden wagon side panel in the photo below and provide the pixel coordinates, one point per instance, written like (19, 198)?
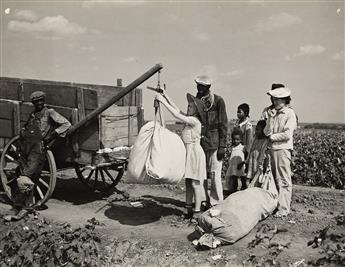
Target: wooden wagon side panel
(9, 89)
(9, 120)
(57, 93)
(119, 126)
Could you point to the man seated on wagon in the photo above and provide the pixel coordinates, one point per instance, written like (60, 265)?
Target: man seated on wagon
(43, 126)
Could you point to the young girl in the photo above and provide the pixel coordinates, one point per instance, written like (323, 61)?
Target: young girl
(281, 123)
(258, 158)
(195, 172)
(235, 177)
(246, 127)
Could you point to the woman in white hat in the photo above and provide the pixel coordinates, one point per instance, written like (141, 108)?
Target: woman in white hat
(281, 123)
(195, 172)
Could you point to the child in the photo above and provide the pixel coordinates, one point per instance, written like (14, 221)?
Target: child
(258, 158)
(246, 127)
(281, 123)
(195, 172)
(235, 177)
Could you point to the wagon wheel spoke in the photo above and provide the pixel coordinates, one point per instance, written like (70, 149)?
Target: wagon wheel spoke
(96, 179)
(11, 159)
(109, 175)
(103, 178)
(9, 169)
(40, 193)
(43, 182)
(82, 169)
(89, 176)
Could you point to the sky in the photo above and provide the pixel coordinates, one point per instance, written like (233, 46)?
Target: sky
(244, 46)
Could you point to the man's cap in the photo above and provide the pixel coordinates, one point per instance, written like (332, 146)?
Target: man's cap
(277, 85)
(281, 92)
(199, 105)
(37, 95)
(203, 80)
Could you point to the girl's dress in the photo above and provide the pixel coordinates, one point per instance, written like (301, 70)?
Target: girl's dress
(195, 156)
(257, 156)
(247, 130)
(236, 157)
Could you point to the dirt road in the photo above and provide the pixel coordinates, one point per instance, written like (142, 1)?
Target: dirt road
(154, 233)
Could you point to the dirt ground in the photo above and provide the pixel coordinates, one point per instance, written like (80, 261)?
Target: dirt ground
(155, 233)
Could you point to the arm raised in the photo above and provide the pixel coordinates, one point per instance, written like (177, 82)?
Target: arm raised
(175, 111)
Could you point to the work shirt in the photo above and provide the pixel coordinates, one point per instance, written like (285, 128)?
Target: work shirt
(247, 133)
(264, 114)
(49, 120)
(280, 126)
(215, 127)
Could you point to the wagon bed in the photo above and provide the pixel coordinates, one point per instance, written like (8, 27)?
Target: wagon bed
(105, 122)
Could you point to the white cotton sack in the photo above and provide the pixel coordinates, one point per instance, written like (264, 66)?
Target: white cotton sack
(167, 156)
(140, 152)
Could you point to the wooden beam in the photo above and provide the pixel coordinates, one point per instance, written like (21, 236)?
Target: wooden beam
(90, 117)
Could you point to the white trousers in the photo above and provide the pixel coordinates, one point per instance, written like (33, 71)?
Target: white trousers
(281, 170)
(214, 171)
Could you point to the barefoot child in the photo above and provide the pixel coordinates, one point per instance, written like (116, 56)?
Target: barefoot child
(235, 177)
(195, 172)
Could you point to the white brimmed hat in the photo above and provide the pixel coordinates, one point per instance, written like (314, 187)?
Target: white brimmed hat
(203, 80)
(280, 92)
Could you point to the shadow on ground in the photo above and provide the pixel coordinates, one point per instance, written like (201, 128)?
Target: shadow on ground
(74, 191)
(148, 213)
(166, 200)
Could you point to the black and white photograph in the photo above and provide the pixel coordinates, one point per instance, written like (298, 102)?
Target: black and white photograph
(172, 133)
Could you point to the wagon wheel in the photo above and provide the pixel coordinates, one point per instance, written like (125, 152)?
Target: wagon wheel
(101, 178)
(9, 170)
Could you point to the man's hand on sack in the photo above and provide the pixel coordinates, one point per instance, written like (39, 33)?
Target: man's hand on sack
(220, 153)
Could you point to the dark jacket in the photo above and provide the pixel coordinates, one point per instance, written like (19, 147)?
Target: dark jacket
(214, 129)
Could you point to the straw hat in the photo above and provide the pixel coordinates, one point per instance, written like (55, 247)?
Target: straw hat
(281, 92)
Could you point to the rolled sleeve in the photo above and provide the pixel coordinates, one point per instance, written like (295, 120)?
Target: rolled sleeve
(60, 120)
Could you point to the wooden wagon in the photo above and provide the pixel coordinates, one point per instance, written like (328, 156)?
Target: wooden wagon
(105, 122)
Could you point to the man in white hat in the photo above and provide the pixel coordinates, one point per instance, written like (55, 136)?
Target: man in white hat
(214, 134)
(42, 127)
(281, 123)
